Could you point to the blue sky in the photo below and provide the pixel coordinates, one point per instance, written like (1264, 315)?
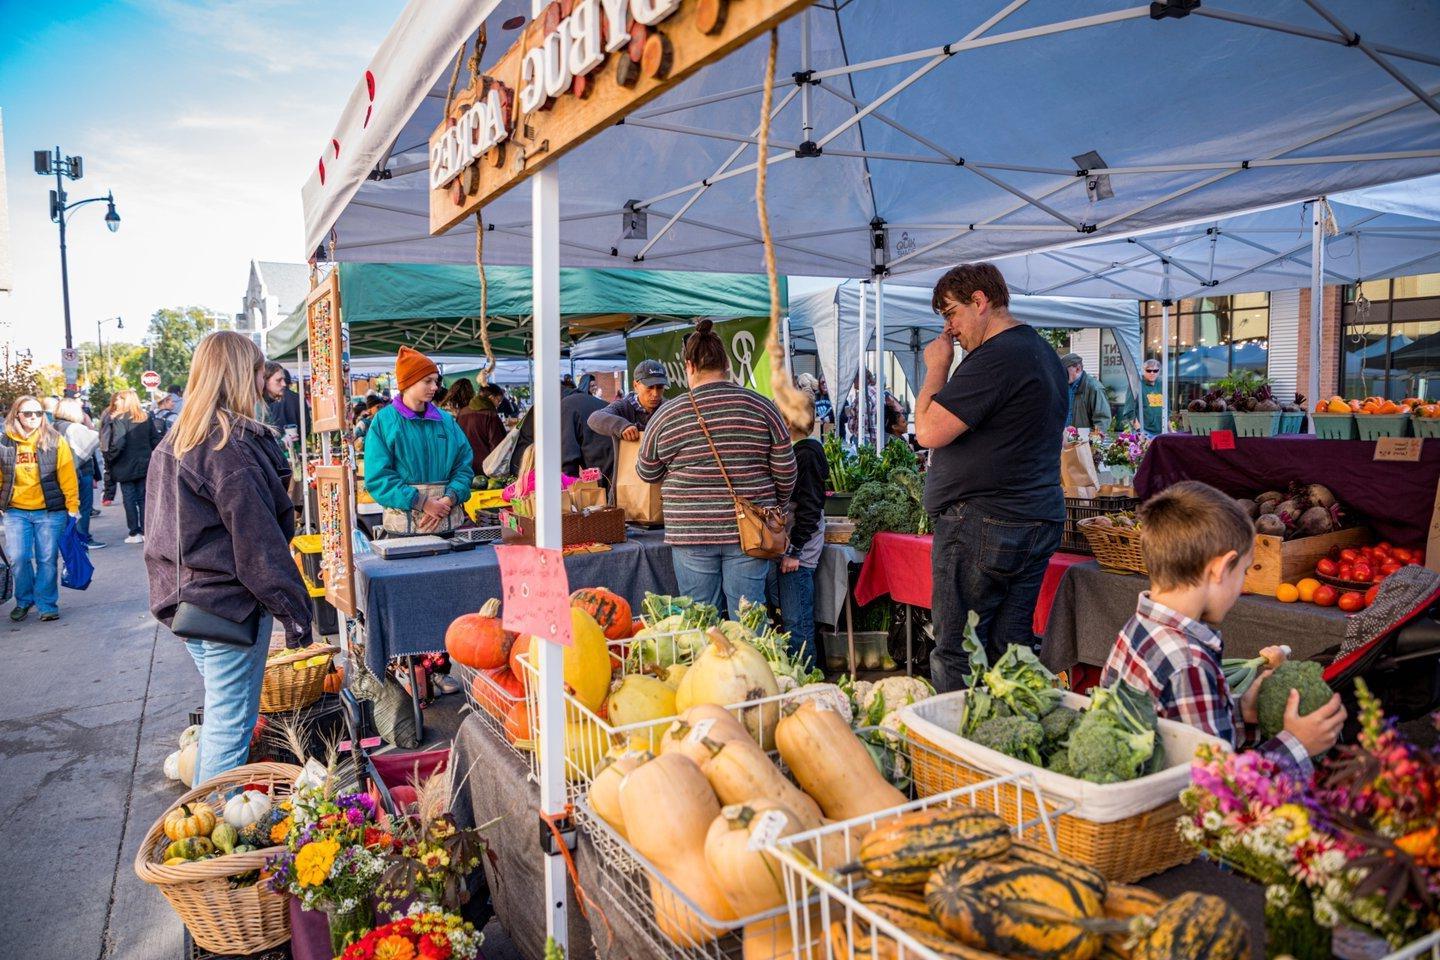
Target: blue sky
(203, 116)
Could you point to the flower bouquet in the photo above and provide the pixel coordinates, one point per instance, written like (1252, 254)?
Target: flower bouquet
(335, 852)
(430, 863)
(1355, 848)
(424, 934)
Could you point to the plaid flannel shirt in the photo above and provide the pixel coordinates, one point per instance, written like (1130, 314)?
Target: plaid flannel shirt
(1178, 661)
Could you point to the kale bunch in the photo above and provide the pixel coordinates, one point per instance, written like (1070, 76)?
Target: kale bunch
(893, 504)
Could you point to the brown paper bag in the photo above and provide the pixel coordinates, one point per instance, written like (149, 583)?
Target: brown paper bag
(581, 496)
(1077, 470)
(639, 500)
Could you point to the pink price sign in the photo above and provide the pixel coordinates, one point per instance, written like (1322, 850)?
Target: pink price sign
(536, 592)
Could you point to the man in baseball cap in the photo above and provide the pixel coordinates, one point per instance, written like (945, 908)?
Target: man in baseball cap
(625, 418)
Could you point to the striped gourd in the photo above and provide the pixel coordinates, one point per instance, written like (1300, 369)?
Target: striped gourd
(1078, 872)
(1193, 926)
(1015, 909)
(1123, 901)
(903, 852)
(903, 908)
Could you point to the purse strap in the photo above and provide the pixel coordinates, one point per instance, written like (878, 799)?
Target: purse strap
(716, 453)
(179, 548)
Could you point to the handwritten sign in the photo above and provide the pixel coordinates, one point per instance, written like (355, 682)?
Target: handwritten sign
(1222, 440)
(1398, 449)
(535, 592)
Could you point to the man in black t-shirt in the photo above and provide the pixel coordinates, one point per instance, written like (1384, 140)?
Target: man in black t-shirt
(993, 488)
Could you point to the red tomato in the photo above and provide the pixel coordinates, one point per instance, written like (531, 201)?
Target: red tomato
(1362, 572)
(1347, 571)
(1326, 596)
(1385, 545)
(1327, 567)
(1370, 594)
(1351, 600)
(1401, 555)
(1389, 568)
(1349, 555)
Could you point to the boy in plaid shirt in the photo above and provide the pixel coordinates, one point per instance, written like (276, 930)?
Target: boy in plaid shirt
(1198, 544)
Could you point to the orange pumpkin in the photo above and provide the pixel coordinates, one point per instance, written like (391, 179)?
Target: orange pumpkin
(335, 679)
(609, 609)
(520, 646)
(478, 640)
(496, 691)
(636, 626)
(517, 722)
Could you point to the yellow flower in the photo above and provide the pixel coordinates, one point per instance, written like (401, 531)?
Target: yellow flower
(1299, 821)
(394, 947)
(313, 862)
(280, 831)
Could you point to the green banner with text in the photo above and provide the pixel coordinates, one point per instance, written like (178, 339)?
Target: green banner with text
(744, 341)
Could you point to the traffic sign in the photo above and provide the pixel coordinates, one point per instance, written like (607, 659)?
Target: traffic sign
(70, 365)
(150, 380)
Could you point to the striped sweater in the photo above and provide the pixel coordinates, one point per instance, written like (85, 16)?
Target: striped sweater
(752, 439)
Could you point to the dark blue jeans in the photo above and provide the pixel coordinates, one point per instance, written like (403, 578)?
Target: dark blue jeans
(992, 566)
(794, 594)
(85, 477)
(134, 493)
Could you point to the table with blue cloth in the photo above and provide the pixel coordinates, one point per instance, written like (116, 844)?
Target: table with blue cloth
(408, 604)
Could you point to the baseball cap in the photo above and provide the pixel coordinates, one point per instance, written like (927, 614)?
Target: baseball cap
(1072, 360)
(651, 373)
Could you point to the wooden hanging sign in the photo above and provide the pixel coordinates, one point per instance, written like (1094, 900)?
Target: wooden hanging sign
(328, 387)
(337, 560)
(578, 68)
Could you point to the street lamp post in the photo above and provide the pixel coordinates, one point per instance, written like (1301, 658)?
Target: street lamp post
(62, 166)
(100, 344)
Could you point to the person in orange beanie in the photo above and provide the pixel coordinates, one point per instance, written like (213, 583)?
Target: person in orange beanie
(417, 459)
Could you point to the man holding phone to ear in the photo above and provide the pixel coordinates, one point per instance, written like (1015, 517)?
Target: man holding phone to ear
(993, 493)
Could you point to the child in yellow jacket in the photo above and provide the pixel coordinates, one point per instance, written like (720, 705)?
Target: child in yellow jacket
(38, 491)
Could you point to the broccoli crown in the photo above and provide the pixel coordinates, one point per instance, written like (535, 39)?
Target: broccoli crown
(1059, 762)
(1018, 737)
(1303, 675)
(1099, 752)
(1057, 723)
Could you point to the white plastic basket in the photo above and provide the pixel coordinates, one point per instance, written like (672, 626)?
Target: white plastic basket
(1426, 948)
(824, 909)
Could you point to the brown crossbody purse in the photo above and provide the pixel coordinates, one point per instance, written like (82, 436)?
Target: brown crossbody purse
(763, 532)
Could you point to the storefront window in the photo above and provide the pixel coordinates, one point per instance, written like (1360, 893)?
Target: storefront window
(1209, 338)
(1114, 379)
(1390, 338)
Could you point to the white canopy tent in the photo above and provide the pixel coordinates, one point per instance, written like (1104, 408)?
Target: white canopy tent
(907, 136)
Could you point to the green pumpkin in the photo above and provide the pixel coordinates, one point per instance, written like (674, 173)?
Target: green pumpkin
(225, 837)
(191, 848)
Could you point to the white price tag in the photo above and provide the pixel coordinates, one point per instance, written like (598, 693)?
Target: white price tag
(766, 830)
(700, 730)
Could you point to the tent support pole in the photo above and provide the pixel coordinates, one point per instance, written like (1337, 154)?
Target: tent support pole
(1317, 298)
(880, 364)
(301, 462)
(545, 275)
(860, 370)
(1165, 351)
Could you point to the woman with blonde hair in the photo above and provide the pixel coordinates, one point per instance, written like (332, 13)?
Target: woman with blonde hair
(218, 554)
(134, 436)
(37, 491)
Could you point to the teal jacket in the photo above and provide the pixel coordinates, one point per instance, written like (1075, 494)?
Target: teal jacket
(402, 451)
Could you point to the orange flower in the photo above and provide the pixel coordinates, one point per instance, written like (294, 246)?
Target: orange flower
(394, 947)
(1423, 845)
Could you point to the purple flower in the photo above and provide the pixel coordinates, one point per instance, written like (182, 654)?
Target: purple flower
(355, 816)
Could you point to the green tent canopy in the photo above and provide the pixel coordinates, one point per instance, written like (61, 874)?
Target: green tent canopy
(434, 307)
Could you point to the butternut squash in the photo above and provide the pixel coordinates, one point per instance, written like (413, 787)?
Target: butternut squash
(740, 772)
(774, 939)
(604, 795)
(668, 806)
(750, 877)
(832, 765)
(704, 720)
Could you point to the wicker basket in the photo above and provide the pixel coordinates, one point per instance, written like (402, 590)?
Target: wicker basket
(222, 918)
(1116, 548)
(1123, 851)
(286, 688)
(1084, 508)
(606, 525)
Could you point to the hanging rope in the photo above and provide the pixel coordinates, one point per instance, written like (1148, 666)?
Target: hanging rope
(454, 78)
(484, 375)
(795, 406)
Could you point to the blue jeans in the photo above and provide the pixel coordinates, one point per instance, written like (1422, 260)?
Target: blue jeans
(992, 566)
(232, 678)
(794, 594)
(85, 476)
(32, 539)
(720, 574)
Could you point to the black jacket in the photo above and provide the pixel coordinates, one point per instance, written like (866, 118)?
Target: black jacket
(581, 447)
(285, 412)
(131, 444)
(229, 516)
(808, 499)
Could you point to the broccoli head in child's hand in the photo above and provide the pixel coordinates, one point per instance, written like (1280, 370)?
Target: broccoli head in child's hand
(1304, 675)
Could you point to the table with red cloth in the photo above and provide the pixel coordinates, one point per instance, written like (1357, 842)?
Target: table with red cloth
(898, 564)
(1396, 499)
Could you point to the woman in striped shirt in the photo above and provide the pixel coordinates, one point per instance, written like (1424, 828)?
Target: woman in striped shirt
(754, 443)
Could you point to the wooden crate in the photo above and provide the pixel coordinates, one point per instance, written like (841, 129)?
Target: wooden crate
(1280, 561)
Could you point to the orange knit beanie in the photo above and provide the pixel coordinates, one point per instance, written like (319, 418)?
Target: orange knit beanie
(412, 366)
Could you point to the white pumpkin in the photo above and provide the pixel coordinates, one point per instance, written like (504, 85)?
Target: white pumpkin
(246, 808)
(191, 735)
(172, 765)
(188, 763)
